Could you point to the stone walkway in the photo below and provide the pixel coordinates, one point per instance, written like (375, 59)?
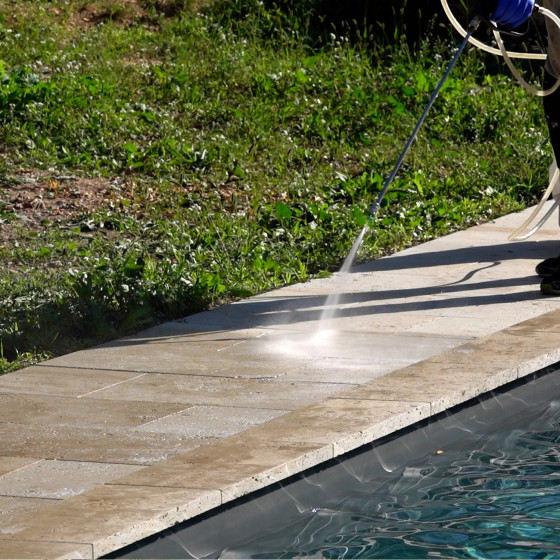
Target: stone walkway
(103, 447)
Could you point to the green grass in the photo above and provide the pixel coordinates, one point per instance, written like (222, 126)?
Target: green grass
(244, 147)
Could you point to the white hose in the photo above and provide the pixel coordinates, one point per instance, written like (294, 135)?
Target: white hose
(484, 46)
(507, 57)
(517, 235)
(554, 184)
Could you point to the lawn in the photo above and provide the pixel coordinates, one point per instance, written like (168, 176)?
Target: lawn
(160, 158)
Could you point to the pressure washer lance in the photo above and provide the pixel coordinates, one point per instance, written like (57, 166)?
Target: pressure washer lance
(473, 25)
(374, 208)
(506, 13)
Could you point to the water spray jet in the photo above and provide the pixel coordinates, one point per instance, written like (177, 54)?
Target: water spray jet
(333, 298)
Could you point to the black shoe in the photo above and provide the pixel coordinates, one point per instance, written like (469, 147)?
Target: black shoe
(548, 267)
(551, 286)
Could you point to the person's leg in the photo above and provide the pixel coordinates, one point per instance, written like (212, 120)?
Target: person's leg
(550, 268)
(552, 111)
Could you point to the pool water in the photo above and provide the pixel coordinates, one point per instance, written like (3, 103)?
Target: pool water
(480, 482)
(496, 496)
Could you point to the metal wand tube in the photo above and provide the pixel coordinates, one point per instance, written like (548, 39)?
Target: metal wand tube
(471, 29)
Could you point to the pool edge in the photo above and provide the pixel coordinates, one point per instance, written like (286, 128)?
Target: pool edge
(359, 416)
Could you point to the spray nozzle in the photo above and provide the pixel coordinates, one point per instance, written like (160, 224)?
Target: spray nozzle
(374, 208)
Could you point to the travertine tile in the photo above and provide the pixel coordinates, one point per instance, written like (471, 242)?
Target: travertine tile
(111, 517)
(215, 338)
(11, 464)
(344, 371)
(378, 322)
(442, 386)
(179, 358)
(202, 421)
(60, 479)
(237, 466)
(14, 506)
(460, 326)
(344, 423)
(376, 347)
(225, 402)
(85, 413)
(213, 391)
(547, 322)
(74, 382)
(10, 549)
(112, 445)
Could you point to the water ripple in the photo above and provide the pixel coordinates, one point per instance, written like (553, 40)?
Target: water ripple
(500, 499)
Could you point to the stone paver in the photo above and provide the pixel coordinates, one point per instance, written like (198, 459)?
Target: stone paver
(112, 445)
(49, 380)
(110, 516)
(276, 394)
(82, 413)
(11, 464)
(108, 445)
(12, 507)
(58, 480)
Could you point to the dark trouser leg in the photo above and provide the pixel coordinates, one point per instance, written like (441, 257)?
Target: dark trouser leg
(552, 111)
(549, 269)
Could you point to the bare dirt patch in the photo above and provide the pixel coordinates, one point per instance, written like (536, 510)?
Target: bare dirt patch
(76, 15)
(35, 199)
(126, 12)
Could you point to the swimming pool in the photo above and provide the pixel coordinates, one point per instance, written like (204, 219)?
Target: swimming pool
(480, 481)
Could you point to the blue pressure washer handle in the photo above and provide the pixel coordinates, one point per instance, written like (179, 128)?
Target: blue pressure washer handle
(508, 14)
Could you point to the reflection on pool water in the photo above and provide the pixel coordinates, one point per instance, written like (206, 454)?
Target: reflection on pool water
(482, 482)
(496, 496)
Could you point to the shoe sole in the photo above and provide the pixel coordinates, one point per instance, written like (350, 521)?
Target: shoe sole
(549, 290)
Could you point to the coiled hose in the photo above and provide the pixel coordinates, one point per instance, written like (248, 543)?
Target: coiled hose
(554, 175)
(501, 50)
